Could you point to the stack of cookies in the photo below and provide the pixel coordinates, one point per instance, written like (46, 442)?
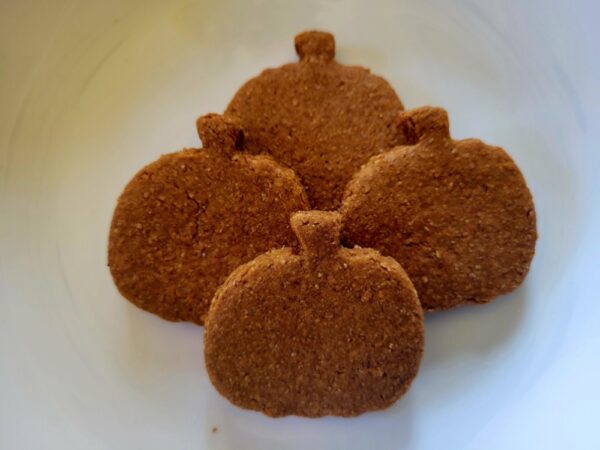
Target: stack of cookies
(313, 228)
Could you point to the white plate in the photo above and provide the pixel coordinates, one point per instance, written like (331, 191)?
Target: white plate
(91, 91)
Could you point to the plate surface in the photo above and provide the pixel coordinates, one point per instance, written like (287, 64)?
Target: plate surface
(91, 91)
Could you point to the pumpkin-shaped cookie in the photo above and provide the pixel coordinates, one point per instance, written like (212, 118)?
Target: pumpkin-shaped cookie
(321, 118)
(323, 331)
(185, 221)
(457, 215)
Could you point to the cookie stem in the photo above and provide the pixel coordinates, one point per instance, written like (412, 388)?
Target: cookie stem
(425, 122)
(220, 133)
(315, 46)
(318, 232)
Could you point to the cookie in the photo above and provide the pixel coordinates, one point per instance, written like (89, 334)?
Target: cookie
(457, 215)
(323, 331)
(321, 118)
(185, 221)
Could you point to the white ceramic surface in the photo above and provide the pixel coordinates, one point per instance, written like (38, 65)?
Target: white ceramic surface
(90, 91)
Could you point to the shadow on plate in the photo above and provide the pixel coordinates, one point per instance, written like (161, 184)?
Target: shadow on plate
(232, 428)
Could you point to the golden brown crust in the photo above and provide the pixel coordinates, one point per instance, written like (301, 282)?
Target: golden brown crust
(189, 218)
(457, 215)
(327, 331)
(321, 118)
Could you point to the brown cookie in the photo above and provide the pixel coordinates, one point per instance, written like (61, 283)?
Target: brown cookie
(185, 221)
(327, 331)
(457, 215)
(321, 118)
